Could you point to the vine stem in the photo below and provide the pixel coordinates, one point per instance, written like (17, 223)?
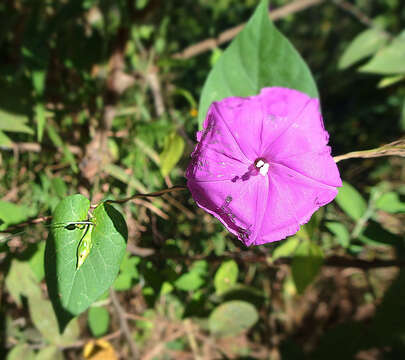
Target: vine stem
(140, 195)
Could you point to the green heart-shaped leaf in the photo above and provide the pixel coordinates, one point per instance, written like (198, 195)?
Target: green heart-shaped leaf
(73, 289)
(260, 56)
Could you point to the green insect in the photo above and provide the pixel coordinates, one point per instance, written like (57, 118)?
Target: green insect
(85, 243)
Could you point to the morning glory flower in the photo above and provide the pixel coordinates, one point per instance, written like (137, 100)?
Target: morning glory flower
(262, 165)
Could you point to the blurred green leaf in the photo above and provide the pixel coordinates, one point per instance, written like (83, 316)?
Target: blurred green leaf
(21, 351)
(258, 57)
(98, 319)
(13, 214)
(40, 118)
(50, 353)
(5, 141)
(38, 81)
(232, 317)
(73, 290)
(190, 281)
(307, 261)
(128, 272)
(364, 44)
(340, 231)
(45, 321)
(226, 276)
(37, 261)
(286, 248)
(351, 201)
(390, 80)
(14, 122)
(172, 152)
(374, 234)
(59, 143)
(389, 60)
(246, 293)
(390, 202)
(21, 281)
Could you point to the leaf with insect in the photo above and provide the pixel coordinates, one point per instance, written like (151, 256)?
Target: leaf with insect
(74, 283)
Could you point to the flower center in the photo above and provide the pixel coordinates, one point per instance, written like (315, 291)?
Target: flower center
(262, 165)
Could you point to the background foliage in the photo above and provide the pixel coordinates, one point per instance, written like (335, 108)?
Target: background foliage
(96, 97)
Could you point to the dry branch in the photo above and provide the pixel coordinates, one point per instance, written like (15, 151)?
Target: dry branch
(227, 35)
(396, 148)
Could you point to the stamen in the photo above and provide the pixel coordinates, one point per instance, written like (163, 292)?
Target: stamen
(260, 163)
(264, 169)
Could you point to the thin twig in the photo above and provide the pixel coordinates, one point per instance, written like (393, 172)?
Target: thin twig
(354, 11)
(152, 208)
(124, 324)
(396, 148)
(212, 43)
(37, 220)
(153, 194)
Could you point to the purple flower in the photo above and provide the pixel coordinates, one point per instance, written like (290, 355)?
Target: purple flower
(262, 165)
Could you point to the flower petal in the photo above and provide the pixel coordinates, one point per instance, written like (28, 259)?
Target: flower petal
(243, 116)
(303, 147)
(239, 204)
(281, 107)
(217, 156)
(292, 200)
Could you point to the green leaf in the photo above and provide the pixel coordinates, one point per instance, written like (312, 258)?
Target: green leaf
(390, 80)
(232, 318)
(376, 235)
(21, 351)
(390, 202)
(363, 45)
(58, 142)
(226, 276)
(340, 231)
(73, 290)
(98, 319)
(389, 60)
(172, 151)
(49, 353)
(45, 321)
(40, 117)
(128, 272)
(36, 261)
(21, 281)
(38, 81)
(351, 201)
(306, 264)
(14, 122)
(5, 141)
(12, 214)
(189, 282)
(194, 279)
(286, 248)
(260, 56)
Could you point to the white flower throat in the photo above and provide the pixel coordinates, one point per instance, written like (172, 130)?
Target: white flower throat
(262, 166)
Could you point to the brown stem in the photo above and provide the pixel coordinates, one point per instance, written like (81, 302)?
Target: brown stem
(212, 43)
(396, 148)
(154, 194)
